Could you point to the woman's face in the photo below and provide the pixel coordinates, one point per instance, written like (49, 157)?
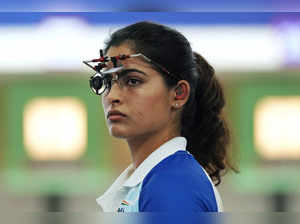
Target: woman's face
(144, 99)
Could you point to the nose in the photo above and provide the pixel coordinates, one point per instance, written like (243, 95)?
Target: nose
(114, 94)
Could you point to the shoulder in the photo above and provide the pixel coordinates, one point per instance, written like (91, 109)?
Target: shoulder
(177, 182)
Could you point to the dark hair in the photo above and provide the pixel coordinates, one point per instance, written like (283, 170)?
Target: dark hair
(207, 133)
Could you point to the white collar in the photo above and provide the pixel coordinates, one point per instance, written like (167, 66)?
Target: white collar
(165, 150)
(130, 177)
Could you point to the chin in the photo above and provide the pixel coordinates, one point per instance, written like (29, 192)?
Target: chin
(118, 132)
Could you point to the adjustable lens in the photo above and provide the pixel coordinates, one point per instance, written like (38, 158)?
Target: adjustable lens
(102, 81)
(98, 84)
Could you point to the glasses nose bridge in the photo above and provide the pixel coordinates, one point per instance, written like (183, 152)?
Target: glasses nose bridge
(115, 79)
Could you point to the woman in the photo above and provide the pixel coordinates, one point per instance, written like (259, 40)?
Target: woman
(166, 102)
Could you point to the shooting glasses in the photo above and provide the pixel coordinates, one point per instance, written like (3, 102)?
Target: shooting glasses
(103, 79)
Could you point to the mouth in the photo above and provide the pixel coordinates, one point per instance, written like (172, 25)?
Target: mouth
(115, 115)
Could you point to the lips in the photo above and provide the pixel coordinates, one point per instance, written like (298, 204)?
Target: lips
(115, 113)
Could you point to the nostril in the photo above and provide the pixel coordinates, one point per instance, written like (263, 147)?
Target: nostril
(115, 101)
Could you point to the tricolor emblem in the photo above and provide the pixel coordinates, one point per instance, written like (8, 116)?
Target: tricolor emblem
(124, 203)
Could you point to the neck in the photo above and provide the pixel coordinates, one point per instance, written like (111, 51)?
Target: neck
(141, 147)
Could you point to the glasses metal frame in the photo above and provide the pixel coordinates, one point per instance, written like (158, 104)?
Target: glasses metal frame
(101, 81)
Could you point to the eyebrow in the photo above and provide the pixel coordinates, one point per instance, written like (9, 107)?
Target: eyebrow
(124, 71)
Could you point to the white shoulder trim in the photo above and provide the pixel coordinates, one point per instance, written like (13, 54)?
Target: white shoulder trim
(216, 192)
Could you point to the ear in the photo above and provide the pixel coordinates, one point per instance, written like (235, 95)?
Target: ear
(181, 94)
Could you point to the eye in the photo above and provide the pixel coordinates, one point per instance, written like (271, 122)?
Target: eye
(133, 81)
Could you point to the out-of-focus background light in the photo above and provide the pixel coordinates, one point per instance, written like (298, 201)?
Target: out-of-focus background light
(55, 129)
(60, 40)
(277, 127)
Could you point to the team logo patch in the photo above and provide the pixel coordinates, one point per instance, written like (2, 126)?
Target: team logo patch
(124, 203)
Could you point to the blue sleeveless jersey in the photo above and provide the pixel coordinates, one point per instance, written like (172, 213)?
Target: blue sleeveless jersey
(177, 183)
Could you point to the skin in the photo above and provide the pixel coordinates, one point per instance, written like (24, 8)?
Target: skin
(152, 116)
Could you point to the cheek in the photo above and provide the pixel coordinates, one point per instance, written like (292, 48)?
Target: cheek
(150, 106)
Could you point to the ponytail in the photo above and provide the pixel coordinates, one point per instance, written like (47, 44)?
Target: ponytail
(203, 124)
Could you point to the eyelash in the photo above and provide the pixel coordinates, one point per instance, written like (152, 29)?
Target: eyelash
(133, 79)
(127, 78)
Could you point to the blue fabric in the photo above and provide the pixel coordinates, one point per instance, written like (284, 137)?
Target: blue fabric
(177, 184)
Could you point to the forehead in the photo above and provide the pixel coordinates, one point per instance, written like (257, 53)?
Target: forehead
(116, 50)
(130, 62)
